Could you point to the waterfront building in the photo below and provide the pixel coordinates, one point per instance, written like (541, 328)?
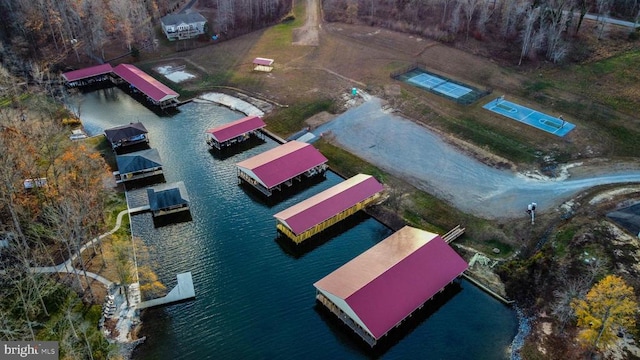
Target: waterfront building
(155, 92)
(377, 290)
(93, 75)
(167, 199)
(289, 162)
(125, 137)
(313, 215)
(235, 132)
(138, 165)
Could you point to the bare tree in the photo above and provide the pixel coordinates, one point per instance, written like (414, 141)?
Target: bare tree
(528, 32)
(469, 8)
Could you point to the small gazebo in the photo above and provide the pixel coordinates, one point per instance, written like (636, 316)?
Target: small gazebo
(263, 64)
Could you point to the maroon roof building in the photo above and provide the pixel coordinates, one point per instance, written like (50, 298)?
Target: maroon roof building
(235, 132)
(282, 165)
(156, 92)
(313, 215)
(380, 288)
(88, 76)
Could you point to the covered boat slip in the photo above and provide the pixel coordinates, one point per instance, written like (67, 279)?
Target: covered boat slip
(313, 215)
(376, 291)
(88, 76)
(127, 136)
(138, 165)
(235, 132)
(155, 92)
(282, 165)
(168, 198)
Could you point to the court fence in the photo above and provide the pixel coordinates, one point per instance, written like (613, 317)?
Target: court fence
(405, 73)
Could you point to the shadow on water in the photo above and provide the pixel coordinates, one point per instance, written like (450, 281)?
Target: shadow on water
(297, 251)
(132, 148)
(236, 149)
(348, 337)
(170, 219)
(279, 196)
(144, 182)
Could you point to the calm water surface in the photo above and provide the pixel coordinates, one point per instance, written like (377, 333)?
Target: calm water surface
(255, 299)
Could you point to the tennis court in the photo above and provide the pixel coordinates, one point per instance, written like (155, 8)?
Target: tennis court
(438, 84)
(550, 124)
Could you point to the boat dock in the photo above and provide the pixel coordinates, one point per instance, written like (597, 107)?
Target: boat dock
(184, 290)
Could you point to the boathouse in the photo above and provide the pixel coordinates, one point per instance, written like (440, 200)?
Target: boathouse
(377, 290)
(167, 199)
(263, 64)
(235, 132)
(156, 93)
(93, 75)
(282, 165)
(125, 136)
(315, 214)
(138, 165)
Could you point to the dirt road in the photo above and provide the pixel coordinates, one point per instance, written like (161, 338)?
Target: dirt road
(408, 150)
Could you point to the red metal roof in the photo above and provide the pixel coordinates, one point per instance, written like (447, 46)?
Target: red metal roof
(316, 209)
(386, 283)
(236, 128)
(145, 83)
(87, 72)
(275, 166)
(263, 61)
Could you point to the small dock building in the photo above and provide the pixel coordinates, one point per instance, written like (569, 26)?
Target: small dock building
(93, 75)
(235, 132)
(138, 165)
(272, 169)
(126, 136)
(167, 199)
(313, 215)
(376, 291)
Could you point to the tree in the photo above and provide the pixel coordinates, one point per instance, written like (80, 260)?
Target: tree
(608, 307)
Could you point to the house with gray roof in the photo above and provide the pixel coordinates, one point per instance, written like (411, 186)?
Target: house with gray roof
(128, 135)
(183, 26)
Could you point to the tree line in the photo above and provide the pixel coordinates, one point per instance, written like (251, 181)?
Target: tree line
(540, 27)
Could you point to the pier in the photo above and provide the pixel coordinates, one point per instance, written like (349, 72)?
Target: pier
(184, 290)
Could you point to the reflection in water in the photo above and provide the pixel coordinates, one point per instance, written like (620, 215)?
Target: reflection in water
(254, 299)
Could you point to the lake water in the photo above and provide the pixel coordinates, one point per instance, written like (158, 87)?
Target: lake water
(254, 297)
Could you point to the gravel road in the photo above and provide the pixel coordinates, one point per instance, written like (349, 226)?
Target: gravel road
(408, 150)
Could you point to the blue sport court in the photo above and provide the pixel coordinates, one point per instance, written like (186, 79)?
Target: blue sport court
(550, 124)
(438, 84)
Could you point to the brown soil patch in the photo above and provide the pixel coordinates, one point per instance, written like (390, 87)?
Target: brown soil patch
(319, 119)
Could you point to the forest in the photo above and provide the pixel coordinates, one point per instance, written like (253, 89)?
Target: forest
(547, 29)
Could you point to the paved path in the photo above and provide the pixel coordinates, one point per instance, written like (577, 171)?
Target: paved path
(410, 151)
(67, 266)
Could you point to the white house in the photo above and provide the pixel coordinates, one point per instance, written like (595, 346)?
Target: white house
(183, 26)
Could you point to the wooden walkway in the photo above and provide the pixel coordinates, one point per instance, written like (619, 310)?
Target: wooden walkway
(453, 234)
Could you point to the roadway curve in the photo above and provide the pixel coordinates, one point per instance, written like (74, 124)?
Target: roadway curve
(408, 150)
